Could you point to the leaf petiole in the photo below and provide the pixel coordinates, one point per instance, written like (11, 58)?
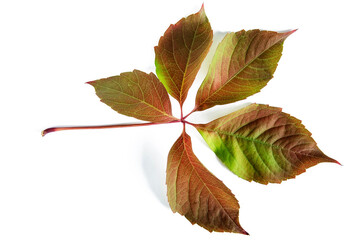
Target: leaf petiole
(56, 129)
(193, 110)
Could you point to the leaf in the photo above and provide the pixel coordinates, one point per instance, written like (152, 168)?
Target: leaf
(243, 64)
(197, 194)
(180, 52)
(136, 94)
(262, 144)
(258, 143)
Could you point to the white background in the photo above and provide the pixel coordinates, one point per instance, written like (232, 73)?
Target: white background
(110, 184)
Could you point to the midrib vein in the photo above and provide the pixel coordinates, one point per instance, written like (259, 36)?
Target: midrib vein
(142, 101)
(188, 59)
(257, 141)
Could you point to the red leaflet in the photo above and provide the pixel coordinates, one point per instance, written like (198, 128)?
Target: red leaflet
(136, 94)
(197, 194)
(180, 52)
(243, 64)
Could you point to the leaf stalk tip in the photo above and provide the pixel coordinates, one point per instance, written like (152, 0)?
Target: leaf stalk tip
(46, 131)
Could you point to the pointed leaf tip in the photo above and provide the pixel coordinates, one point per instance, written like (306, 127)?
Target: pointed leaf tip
(292, 31)
(335, 161)
(202, 9)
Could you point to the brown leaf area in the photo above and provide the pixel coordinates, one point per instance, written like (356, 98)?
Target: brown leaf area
(180, 52)
(136, 94)
(197, 194)
(263, 144)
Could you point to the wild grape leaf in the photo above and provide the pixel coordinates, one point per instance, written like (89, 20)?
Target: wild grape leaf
(263, 144)
(136, 94)
(197, 194)
(180, 52)
(243, 64)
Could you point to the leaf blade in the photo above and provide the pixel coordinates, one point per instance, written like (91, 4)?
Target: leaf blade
(135, 94)
(197, 194)
(180, 52)
(262, 144)
(243, 64)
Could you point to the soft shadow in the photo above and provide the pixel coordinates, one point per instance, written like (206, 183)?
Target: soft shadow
(218, 36)
(217, 112)
(154, 172)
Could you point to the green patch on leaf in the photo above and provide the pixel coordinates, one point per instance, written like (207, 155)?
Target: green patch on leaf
(197, 194)
(263, 144)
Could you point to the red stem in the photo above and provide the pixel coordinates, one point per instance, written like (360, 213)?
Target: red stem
(193, 110)
(182, 112)
(192, 124)
(56, 129)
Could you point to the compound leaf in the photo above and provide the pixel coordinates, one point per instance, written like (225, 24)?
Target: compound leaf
(136, 94)
(197, 194)
(243, 64)
(263, 144)
(180, 52)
